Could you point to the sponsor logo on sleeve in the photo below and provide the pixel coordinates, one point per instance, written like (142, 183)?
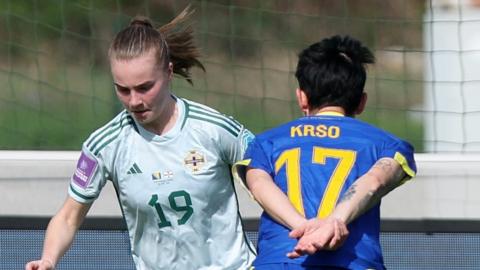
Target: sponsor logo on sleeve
(85, 169)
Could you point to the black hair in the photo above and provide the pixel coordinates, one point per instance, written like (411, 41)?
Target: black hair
(332, 72)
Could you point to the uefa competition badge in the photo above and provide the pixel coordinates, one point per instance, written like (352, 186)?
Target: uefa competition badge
(85, 168)
(194, 160)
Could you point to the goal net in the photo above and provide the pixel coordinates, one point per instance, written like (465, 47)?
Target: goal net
(56, 86)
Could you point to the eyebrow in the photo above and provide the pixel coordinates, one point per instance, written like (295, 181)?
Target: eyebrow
(135, 86)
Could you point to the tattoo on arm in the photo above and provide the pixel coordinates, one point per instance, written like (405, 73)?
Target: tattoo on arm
(384, 165)
(395, 174)
(387, 167)
(349, 193)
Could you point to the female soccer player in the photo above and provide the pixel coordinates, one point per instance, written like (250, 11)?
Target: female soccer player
(168, 158)
(327, 168)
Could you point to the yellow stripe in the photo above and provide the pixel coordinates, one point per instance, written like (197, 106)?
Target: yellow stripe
(404, 164)
(239, 172)
(330, 113)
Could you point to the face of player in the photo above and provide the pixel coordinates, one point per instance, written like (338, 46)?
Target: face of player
(143, 88)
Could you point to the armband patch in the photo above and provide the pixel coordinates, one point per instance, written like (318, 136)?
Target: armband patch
(85, 168)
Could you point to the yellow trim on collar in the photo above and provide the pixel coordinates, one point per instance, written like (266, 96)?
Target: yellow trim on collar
(330, 113)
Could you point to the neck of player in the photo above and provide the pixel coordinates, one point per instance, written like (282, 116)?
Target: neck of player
(327, 109)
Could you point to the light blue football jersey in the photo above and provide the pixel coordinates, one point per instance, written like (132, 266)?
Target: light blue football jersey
(175, 190)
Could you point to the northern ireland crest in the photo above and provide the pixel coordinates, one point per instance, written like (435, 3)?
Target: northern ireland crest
(194, 161)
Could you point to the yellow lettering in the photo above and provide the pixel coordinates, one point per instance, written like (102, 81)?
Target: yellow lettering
(333, 132)
(321, 131)
(308, 130)
(296, 131)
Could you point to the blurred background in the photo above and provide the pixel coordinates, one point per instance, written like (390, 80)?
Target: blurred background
(56, 88)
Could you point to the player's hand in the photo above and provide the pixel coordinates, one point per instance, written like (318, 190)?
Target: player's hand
(306, 228)
(39, 265)
(317, 234)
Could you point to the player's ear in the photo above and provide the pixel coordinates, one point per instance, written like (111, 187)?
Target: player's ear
(362, 104)
(302, 101)
(170, 71)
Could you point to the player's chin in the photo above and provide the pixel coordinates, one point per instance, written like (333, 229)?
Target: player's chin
(141, 116)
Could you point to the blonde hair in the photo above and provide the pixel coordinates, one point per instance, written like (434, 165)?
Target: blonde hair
(170, 42)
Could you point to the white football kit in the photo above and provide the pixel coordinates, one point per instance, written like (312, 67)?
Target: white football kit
(175, 190)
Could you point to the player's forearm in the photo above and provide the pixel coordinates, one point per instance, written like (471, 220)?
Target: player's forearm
(62, 228)
(272, 199)
(58, 238)
(369, 189)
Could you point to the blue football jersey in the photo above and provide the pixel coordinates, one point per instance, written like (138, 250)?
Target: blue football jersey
(314, 160)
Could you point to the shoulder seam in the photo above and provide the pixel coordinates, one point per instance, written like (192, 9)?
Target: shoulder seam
(217, 123)
(204, 113)
(213, 117)
(98, 133)
(198, 105)
(208, 112)
(109, 135)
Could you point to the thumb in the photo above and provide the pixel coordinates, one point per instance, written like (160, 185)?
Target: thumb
(31, 265)
(296, 233)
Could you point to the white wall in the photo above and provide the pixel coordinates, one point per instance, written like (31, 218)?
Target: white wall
(35, 184)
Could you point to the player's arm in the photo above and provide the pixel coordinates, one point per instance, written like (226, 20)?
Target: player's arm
(367, 191)
(272, 199)
(60, 234)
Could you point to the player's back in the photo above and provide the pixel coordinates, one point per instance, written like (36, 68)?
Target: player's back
(314, 160)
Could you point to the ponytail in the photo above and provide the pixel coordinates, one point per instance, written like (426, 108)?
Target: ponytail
(171, 42)
(180, 45)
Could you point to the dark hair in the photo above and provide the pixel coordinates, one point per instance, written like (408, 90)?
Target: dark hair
(332, 72)
(171, 43)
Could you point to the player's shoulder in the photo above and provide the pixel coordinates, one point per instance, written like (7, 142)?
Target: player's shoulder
(109, 133)
(375, 134)
(210, 119)
(282, 130)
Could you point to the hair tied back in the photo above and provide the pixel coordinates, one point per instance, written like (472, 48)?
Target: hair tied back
(141, 21)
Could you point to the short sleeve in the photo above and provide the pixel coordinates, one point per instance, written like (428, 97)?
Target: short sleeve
(403, 153)
(88, 179)
(236, 146)
(259, 159)
(255, 157)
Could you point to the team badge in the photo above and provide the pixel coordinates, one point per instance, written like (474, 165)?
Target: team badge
(194, 161)
(162, 178)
